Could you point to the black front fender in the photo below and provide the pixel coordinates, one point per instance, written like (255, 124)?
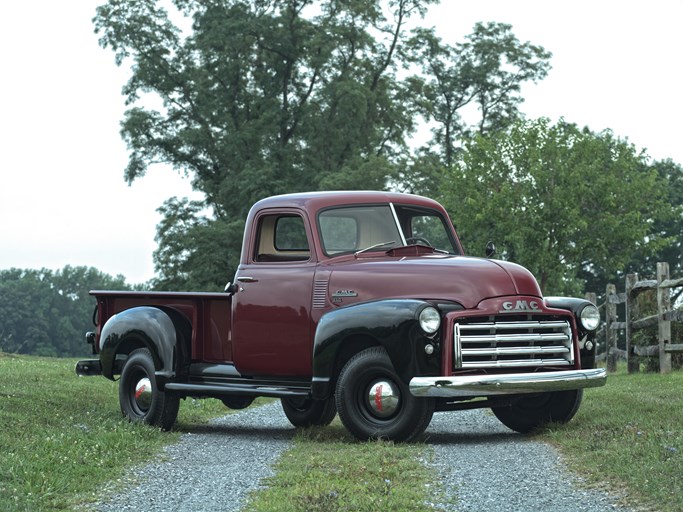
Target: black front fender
(145, 326)
(576, 305)
(392, 324)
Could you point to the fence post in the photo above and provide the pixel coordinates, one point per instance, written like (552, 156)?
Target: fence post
(632, 365)
(610, 333)
(664, 326)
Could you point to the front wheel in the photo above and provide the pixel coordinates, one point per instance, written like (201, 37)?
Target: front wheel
(306, 412)
(533, 411)
(140, 398)
(374, 403)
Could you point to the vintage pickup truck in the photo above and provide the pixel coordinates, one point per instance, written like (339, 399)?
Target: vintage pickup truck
(356, 303)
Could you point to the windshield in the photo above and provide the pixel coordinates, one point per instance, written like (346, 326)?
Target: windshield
(355, 229)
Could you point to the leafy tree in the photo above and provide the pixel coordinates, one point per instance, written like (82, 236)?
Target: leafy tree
(266, 97)
(669, 227)
(47, 313)
(25, 303)
(195, 253)
(259, 98)
(561, 201)
(487, 70)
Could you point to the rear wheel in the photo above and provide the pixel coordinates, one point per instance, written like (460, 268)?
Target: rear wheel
(306, 412)
(533, 411)
(140, 398)
(374, 403)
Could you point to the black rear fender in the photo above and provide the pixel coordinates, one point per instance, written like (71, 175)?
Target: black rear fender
(164, 331)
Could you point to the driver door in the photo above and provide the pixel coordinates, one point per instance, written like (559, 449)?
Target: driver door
(272, 331)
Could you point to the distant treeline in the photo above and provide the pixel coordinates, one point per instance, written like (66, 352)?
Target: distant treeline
(46, 313)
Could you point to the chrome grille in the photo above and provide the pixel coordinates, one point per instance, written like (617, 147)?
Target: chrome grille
(503, 344)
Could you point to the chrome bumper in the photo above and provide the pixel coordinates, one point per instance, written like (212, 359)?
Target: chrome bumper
(507, 384)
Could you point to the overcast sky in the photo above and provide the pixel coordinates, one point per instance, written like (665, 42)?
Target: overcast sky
(63, 200)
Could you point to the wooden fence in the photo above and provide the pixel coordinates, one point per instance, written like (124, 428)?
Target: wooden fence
(632, 322)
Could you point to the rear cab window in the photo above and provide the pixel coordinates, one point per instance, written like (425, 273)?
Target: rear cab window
(281, 237)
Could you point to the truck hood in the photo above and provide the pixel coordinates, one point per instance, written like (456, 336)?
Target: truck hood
(431, 277)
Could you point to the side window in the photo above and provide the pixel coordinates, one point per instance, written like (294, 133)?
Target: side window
(281, 238)
(426, 226)
(431, 228)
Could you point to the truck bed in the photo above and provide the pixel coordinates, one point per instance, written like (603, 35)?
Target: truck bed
(208, 313)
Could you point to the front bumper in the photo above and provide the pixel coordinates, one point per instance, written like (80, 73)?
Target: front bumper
(506, 384)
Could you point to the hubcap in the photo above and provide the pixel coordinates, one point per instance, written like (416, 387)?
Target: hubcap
(383, 398)
(143, 394)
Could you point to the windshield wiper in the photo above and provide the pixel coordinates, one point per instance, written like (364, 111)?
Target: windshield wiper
(382, 244)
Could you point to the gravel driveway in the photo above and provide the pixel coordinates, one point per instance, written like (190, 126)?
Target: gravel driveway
(491, 468)
(487, 466)
(211, 469)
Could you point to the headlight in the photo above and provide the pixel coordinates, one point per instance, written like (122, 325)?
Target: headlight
(430, 320)
(590, 317)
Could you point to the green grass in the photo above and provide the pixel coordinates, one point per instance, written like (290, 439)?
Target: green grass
(328, 471)
(628, 437)
(62, 437)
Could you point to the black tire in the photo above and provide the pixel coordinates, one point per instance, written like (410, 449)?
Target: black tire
(140, 398)
(237, 402)
(306, 412)
(397, 416)
(534, 411)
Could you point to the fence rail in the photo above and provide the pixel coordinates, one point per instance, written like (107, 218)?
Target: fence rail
(634, 322)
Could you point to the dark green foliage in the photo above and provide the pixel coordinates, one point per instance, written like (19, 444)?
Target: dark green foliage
(195, 253)
(47, 313)
(564, 202)
(262, 97)
(266, 97)
(670, 226)
(486, 71)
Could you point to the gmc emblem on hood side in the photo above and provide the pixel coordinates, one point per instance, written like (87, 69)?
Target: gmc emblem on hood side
(520, 306)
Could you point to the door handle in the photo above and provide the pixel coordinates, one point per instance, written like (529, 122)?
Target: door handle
(246, 279)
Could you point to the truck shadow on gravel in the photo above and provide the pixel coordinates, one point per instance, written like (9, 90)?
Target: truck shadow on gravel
(233, 431)
(336, 435)
(441, 438)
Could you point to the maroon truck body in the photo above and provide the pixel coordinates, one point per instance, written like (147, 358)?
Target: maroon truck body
(361, 303)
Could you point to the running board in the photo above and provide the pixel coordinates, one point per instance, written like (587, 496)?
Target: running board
(218, 391)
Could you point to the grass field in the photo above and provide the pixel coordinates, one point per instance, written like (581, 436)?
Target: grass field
(62, 438)
(628, 437)
(328, 471)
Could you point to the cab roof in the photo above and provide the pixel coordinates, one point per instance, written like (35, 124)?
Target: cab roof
(314, 201)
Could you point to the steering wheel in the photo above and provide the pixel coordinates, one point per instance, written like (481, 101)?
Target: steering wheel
(418, 240)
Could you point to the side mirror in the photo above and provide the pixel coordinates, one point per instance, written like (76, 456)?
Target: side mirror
(490, 249)
(231, 288)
